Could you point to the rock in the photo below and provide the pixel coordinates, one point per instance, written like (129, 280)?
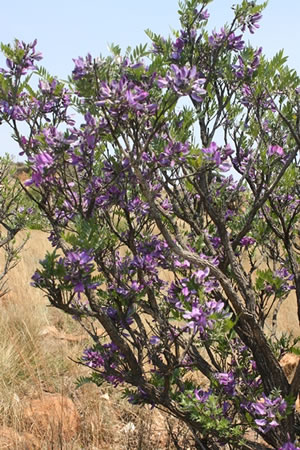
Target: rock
(105, 396)
(10, 439)
(129, 427)
(289, 363)
(31, 441)
(53, 417)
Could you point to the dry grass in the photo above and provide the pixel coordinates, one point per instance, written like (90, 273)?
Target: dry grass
(34, 362)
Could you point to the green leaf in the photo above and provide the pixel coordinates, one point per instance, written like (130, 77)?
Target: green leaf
(82, 381)
(295, 350)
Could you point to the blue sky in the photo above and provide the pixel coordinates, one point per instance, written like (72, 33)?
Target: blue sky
(66, 29)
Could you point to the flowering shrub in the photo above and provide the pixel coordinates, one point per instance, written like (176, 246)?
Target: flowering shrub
(162, 233)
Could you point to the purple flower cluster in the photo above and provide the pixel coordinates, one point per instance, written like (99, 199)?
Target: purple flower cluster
(134, 273)
(244, 162)
(121, 321)
(286, 201)
(172, 154)
(155, 249)
(113, 195)
(218, 156)
(227, 381)
(15, 112)
(138, 207)
(184, 38)
(183, 297)
(27, 62)
(183, 81)
(79, 265)
(286, 279)
(289, 446)
(246, 241)
(251, 23)
(200, 315)
(119, 97)
(215, 241)
(244, 68)
(154, 340)
(178, 46)
(231, 41)
(41, 164)
(21, 105)
(82, 67)
(275, 150)
(267, 411)
(202, 396)
(227, 183)
(106, 359)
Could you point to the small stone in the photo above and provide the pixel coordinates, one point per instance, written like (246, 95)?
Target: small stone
(53, 415)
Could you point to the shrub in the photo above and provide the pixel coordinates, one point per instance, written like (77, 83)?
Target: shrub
(173, 223)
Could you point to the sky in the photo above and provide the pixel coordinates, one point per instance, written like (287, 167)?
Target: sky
(66, 29)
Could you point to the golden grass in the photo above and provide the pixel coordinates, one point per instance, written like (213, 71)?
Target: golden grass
(34, 362)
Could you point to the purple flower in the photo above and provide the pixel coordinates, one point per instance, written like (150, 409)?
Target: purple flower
(184, 265)
(41, 163)
(106, 359)
(200, 275)
(177, 47)
(185, 291)
(121, 96)
(79, 258)
(37, 279)
(79, 287)
(183, 81)
(43, 160)
(202, 396)
(154, 340)
(284, 273)
(18, 113)
(260, 422)
(26, 58)
(289, 446)
(227, 381)
(275, 150)
(246, 241)
(78, 265)
(251, 23)
(216, 241)
(200, 315)
(81, 67)
(93, 358)
(166, 204)
(232, 41)
(259, 408)
(204, 15)
(198, 318)
(218, 156)
(269, 409)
